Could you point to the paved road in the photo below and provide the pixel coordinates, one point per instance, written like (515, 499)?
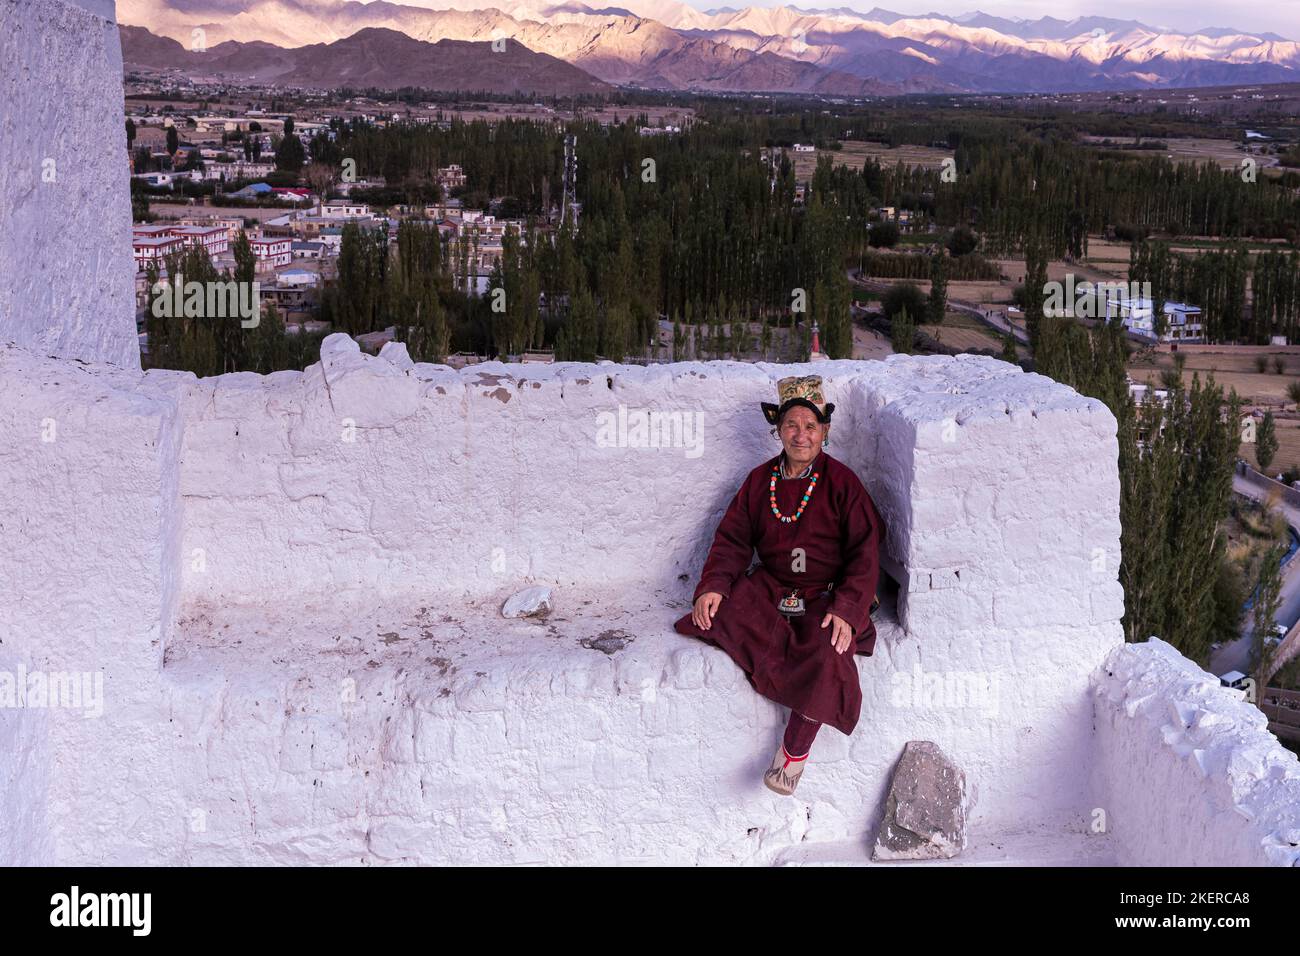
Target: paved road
(1235, 656)
(993, 318)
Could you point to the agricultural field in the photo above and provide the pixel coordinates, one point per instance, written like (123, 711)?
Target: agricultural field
(1112, 255)
(1266, 391)
(870, 344)
(979, 293)
(1231, 369)
(1226, 153)
(1109, 255)
(1288, 447)
(963, 331)
(854, 154)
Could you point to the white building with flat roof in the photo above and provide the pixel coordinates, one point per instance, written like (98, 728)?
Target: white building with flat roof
(1182, 321)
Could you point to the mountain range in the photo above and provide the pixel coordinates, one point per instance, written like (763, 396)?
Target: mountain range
(664, 44)
(372, 57)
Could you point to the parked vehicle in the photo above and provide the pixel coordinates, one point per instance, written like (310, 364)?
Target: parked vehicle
(1234, 679)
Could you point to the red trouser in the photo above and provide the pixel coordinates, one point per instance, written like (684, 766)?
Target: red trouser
(799, 734)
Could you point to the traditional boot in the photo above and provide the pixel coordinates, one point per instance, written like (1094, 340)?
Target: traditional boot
(783, 776)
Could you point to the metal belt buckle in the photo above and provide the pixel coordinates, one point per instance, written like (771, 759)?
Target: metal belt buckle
(791, 605)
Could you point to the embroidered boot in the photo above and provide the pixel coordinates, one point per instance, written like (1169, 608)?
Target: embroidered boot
(783, 776)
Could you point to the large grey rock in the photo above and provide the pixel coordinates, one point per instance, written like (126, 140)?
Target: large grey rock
(925, 812)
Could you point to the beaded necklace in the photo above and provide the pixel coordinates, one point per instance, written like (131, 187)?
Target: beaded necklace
(776, 472)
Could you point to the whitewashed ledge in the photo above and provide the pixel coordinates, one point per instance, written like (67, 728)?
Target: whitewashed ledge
(1188, 772)
(358, 731)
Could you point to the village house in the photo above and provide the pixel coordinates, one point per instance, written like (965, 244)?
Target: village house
(216, 171)
(336, 209)
(155, 249)
(160, 179)
(345, 188)
(293, 292)
(232, 224)
(1182, 321)
(214, 240)
(271, 251)
(451, 177)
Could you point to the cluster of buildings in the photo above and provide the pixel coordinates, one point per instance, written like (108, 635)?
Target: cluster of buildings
(155, 242)
(293, 287)
(225, 144)
(296, 252)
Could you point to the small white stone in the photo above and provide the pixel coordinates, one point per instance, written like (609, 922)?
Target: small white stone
(396, 353)
(530, 602)
(338, 343)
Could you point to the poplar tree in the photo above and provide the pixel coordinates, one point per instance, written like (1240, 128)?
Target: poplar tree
(1035, 280)
(1009, 348)
(902, 332)
(1266, 443)
(1268, 599)
(937, 304)
(837, 327)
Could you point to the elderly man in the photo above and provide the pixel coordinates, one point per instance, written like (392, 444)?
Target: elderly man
(790, 621)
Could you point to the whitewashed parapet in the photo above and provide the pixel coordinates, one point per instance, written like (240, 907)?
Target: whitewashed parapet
(1011, 487)
(65, 211)
(90, 578)
(25, 835)
(996, 487)
(1188, 773)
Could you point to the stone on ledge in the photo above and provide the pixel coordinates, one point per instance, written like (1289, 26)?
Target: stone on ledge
(338, 343)
(530, 602)
(925, 813)
(396, 353)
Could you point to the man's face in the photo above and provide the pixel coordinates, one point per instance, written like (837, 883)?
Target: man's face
(801, 434)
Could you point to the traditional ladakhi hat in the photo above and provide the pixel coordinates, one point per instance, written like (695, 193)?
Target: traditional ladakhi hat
(803, 390)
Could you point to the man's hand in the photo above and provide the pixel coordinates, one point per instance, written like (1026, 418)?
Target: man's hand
(705, 605)
(841, 634)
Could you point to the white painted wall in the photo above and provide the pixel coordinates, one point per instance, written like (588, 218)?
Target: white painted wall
(25, 835)
(237, 507)
(1188, 771)
(90, 578)
(67, 286)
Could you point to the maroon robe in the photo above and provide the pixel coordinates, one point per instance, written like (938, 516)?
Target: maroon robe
(792, 660)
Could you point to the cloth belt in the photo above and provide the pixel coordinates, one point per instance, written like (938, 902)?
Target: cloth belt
(813, 591)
